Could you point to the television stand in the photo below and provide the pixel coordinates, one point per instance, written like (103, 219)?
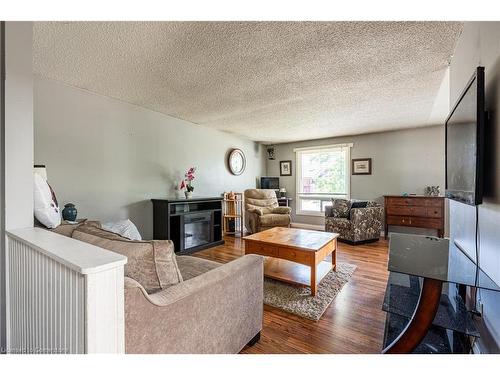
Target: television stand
(425, 299)
(192, 224)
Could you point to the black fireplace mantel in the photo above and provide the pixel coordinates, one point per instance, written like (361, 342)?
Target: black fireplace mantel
(192, 224)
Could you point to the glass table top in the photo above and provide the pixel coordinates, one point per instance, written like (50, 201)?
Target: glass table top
(435, 258)
(403, 293)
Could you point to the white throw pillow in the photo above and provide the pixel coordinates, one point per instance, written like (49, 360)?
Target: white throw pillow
(124, 228)
(45, 206)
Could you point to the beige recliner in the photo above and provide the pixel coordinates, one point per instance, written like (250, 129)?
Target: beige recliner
(263, 212)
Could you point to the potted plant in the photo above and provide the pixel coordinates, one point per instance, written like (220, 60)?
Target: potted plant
(188, 182)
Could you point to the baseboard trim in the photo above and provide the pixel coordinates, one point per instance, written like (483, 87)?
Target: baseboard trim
(308, 226)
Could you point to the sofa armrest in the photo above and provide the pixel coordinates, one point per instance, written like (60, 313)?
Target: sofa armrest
(217, 312)
(328, 211)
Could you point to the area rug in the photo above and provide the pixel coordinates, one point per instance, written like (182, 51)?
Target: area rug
(298, 300)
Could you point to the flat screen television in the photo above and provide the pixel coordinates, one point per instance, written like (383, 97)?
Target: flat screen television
(270, 183)
(464, 145)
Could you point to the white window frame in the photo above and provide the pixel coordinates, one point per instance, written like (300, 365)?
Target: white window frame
(322, 197)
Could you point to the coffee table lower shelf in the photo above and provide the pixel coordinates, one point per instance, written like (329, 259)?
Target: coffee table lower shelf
(294, 273)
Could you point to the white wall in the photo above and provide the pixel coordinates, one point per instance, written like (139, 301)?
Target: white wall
(479, 44)
(19, 125)
(402, 161)
(110, 158)
(3, 313)
(17, 144)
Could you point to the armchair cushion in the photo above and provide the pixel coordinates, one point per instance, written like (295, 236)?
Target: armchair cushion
(339, 225)
(260, 198)
(357, 204)
(274, 220)
(340, 207)
(282, 210)
(259, 210)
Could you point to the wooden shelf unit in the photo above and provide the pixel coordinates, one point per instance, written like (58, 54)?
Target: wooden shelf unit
(233, 210)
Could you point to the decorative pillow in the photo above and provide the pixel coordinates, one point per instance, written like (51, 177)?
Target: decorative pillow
(359, 204)
(341, 207)
(45, 203)
(124, 228)
(151, 263)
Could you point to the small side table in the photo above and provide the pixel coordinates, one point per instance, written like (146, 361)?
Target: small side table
(285, 201)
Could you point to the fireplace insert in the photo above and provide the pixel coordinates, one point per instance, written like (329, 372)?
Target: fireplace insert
(197, 229)
(192, 224)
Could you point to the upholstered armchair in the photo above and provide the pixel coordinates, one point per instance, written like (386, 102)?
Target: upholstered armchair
(354, 221)
(263, 212)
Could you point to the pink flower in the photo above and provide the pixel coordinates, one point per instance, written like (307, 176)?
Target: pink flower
(183, 185)
(190, 174)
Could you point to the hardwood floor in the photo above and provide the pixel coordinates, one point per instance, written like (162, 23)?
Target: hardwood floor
(353, 323)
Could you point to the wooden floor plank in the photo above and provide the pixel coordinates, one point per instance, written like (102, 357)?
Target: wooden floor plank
(353, 323)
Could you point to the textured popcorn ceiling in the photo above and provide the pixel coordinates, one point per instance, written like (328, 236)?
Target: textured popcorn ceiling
(268, 81)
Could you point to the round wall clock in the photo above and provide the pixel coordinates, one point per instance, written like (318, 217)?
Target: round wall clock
(236, 161)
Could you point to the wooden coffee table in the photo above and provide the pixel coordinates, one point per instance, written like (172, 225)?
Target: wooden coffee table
(295, 255)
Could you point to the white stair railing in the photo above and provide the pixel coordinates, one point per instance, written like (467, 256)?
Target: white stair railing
(63, 295)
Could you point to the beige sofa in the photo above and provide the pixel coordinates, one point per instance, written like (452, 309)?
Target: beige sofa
(192, 305)
(263, 212)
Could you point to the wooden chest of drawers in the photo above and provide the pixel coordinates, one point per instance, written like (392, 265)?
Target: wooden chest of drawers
(414, 211)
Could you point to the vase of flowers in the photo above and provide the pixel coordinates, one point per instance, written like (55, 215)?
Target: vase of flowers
(188, 182)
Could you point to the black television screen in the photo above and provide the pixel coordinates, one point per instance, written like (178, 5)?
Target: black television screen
(465, 145)
(270, 183)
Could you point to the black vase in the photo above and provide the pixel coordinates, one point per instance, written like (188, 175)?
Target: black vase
(69, 212)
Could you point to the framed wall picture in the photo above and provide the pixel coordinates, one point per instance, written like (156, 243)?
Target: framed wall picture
(362, 166)
(286, 168)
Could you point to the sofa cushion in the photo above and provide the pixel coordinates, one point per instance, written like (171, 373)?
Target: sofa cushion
(340, 207)
(191, 266)
(67, 228)
(124, 228)
(151, 263)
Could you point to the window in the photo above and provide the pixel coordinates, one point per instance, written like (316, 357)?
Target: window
(322, 174)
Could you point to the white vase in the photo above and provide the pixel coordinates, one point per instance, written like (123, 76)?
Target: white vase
(188, 194)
